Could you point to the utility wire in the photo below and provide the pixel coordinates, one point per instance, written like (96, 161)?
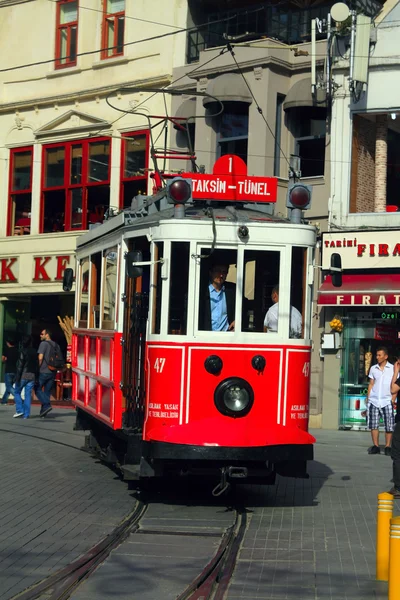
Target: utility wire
(259, 109)
(135, 42)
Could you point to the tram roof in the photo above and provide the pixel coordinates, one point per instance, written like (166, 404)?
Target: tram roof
(128, 219)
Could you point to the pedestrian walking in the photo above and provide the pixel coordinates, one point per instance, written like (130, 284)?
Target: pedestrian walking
(396, 434)
(380, 401)
(27, 372)
(9, 357)
(47, 375)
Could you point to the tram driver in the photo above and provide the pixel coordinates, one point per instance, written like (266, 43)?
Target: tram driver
(218, 305)
(271, 318)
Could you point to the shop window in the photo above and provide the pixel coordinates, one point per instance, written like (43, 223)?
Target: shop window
(219, 268)
(113, 28)
(135, 163)
(67, 33)
(95, 290)
(233, 130)
(261, 275)
(298, 292)
(20, 192)
(84, 292)
(157, 287)
(309, 127)
(76, 188)
(178, 289)
(110, 287)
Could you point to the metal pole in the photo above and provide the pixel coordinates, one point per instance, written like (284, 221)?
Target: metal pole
(295, 214)
(352, 46)
(385, 513)
(394, 561)
(328, 55)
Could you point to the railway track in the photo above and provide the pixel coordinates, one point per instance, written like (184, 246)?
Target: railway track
(211, 583)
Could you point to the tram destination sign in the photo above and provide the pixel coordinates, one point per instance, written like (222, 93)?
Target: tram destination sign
(229, 182)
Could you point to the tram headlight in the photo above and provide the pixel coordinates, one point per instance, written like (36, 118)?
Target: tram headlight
(234, 397)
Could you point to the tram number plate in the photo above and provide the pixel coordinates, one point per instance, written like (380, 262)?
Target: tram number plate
(159, 365)
(306, 369)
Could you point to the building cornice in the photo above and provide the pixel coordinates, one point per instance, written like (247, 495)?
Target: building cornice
(160, 81)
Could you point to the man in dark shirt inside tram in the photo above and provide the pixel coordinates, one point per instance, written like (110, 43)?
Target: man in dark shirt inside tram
(217, 309)
(395, 453)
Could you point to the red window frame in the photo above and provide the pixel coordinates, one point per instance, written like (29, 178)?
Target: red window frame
(144, 177)
(11, 191)
(84, 184)
(68, 27)
(111, 51)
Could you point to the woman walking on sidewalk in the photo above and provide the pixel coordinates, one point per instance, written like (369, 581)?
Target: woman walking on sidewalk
(27, 370)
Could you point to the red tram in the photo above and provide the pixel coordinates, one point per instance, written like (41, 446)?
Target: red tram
(160, 392)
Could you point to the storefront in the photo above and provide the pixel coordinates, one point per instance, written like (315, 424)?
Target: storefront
(31, 295)
(367, 304)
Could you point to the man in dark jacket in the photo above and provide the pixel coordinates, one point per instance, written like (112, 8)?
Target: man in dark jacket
(9, 357)
(395, 451)
(217, 309)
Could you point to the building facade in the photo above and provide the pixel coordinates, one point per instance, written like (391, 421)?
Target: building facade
(72, 146)
(364, 224)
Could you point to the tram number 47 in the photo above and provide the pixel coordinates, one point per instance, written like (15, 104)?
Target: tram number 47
(306, 369)
(159, 365)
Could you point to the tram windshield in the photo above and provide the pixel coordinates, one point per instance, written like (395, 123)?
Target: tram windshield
(261, 275)
(218, 290)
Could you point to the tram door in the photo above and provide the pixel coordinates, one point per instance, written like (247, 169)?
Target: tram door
(136, 306)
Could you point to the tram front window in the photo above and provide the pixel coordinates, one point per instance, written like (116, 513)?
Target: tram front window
(178, 289)
(261, 274)
(217, 290)
(298, 292)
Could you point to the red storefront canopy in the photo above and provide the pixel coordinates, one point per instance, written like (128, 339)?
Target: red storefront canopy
(361, 290)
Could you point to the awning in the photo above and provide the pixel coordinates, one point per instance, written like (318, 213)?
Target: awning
(229, 87)
(361, 290)
(300, 95)
(185, 111)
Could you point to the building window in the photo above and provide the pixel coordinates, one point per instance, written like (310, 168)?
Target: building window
(113, 28)
(67, 33)
(310, 133)
(135, 163)
(233, 130)
(20, 191)
(278, 134)
(75, 184)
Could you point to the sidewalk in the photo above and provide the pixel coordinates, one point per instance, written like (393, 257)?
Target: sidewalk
(306, 540)
(56, 501)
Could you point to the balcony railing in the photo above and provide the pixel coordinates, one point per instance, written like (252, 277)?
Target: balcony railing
(283, 22)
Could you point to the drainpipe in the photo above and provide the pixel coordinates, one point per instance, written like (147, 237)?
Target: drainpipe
(380, 163)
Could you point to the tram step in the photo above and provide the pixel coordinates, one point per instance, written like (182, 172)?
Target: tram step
(131, 472)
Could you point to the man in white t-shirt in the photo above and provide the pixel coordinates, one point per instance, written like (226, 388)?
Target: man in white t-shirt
(380, 400)
(271, 318)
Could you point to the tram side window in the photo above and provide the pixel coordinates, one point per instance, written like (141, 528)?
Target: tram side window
(217, 274)
(110, 287)
(298, 292)
(261, 275)
(84, 287)
(178, 289)
(157, 287)
(95, 290)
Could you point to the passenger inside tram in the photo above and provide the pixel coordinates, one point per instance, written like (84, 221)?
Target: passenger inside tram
(272, 316)
(218, 297)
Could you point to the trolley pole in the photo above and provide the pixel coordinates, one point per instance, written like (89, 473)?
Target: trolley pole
(295, 214)
(394, 560)
(385, 513)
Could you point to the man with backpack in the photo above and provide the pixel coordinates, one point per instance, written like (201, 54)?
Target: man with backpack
(50, 360)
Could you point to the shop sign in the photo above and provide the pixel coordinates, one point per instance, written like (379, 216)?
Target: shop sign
(44, 268)
(372, 299)
(385, 333)
(363, 249)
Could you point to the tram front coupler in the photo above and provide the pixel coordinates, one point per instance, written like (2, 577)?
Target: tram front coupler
(229, 473)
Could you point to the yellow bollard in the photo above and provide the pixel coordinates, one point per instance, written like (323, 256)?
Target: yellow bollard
(394, 560)
(385, 513)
